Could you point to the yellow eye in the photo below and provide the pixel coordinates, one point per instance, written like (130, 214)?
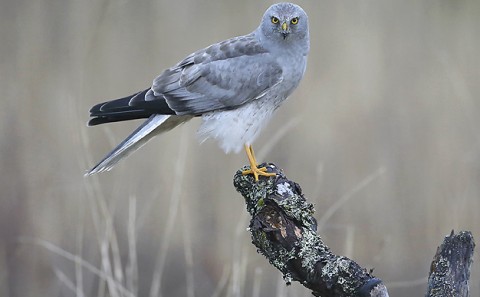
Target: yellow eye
(275, 20)
(294, 21)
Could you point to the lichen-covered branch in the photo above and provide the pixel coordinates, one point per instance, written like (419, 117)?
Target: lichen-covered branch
(284, 230)
(450, 269)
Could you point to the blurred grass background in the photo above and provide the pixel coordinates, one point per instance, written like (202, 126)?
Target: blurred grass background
(382, 135)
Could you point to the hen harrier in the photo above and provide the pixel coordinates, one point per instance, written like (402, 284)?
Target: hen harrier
(234, 85)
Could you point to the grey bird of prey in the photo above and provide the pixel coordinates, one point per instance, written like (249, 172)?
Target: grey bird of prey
(234, 86)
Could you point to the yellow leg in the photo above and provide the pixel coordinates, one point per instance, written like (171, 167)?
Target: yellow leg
(253, 165)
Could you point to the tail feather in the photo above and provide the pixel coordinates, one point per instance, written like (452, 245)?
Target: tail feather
(156, 124)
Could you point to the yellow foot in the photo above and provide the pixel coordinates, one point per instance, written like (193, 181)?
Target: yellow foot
(254, 166)
(258, 172)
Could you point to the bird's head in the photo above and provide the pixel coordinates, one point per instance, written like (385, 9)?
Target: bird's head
(285, 22)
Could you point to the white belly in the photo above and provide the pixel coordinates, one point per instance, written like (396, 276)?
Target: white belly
(237, 127)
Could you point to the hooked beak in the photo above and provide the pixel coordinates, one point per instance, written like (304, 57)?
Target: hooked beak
(285, 30)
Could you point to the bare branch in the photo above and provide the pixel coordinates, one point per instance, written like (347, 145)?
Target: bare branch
(284, 231)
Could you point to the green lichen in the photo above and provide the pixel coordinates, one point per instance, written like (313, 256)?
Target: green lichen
(260, 203)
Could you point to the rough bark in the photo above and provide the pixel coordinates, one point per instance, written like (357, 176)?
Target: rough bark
(450, 269)
(284, 230)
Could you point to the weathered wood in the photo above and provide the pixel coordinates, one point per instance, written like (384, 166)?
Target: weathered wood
(284, 230)
(450, 269)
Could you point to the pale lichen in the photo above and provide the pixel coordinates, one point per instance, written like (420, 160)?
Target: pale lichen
(284, 188)
(284, 230)
(309, 246)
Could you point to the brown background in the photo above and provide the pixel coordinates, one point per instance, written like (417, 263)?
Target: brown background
(382, 134)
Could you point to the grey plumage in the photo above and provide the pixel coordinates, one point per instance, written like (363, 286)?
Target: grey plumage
(234, 85)
(211, 78)
(156, 124)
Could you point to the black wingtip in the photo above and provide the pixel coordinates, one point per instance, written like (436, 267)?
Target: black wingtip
(119, 117)
(117, 105)
(127, 108)
(117, 110)
(96, 108)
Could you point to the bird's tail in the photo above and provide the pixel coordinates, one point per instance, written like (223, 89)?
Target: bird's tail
(156, 124)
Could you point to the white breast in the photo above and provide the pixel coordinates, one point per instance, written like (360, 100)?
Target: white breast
(237, 127)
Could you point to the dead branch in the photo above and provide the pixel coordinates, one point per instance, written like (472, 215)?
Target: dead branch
(284, 230)
(450, 269)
